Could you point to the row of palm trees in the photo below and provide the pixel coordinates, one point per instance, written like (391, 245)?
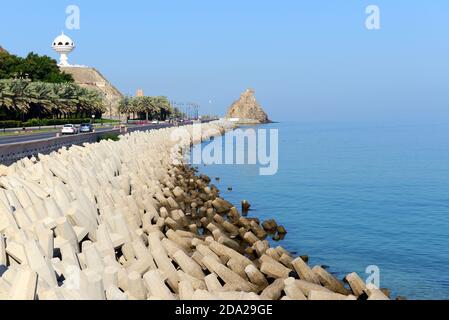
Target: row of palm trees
(34, 98)
(153, 108)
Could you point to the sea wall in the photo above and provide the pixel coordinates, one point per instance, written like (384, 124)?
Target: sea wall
(128, 220)
(10, 153)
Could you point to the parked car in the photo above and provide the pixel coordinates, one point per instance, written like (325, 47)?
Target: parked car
(155, 122)
(86, 127)
(69, 129)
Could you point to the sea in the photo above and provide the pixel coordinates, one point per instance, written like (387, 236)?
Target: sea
(365, 198)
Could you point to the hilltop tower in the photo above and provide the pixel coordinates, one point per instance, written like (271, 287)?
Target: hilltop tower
(63, 45)
(87, 77)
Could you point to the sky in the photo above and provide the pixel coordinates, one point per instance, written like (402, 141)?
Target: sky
(309, 61)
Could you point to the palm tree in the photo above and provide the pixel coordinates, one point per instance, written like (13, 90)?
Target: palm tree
(62, 99)
(166, 107)
(151, 108)
(6, 95)
(40, 98)
(21, 100)
(66, 99)
(124, 106)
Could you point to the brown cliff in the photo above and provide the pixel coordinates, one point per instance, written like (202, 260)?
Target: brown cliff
(247, 109)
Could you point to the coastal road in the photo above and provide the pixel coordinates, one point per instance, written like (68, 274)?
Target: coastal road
(19, 138)
(15, 147)
(36, 136)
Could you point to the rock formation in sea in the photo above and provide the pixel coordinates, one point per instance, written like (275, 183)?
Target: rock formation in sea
(247, 109)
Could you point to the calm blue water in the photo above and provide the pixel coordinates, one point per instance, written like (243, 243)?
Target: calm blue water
(358, 195)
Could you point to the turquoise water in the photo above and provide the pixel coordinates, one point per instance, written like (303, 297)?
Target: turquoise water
(358, 195)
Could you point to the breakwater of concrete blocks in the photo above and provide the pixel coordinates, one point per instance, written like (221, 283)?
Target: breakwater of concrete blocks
(128, 220)
(10, 153)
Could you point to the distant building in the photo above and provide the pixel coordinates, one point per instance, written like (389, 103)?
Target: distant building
(140, 93)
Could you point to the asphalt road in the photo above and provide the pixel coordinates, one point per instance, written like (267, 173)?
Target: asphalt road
(36, 136)
(46, 135)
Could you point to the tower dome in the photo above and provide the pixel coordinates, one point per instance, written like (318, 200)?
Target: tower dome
(63, 45)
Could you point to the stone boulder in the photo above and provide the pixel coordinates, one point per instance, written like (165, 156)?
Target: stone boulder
(247, 109)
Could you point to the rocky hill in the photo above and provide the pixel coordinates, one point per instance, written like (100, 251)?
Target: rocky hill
(93, 79)
(247, 109)
(2, 50)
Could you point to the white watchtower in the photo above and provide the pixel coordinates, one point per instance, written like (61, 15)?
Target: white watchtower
(63, 45)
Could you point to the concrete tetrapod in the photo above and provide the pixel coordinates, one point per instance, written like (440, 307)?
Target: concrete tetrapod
(127, 219)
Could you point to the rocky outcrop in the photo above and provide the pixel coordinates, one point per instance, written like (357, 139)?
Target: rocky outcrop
(247, 109)
(92, 79)
(2, 50)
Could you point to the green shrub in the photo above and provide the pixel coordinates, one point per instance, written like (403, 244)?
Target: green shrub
(109, 136)
(53, 122)
(56, 122)
(10, 124)
(106, 121)
(48, 122)
(33, 123)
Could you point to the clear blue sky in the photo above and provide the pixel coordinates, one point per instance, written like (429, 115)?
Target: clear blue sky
(309, 60)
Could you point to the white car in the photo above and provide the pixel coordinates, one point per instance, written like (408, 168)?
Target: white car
(69, 129)
(155, 122)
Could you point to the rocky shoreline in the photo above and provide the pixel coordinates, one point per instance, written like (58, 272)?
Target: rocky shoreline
(240, 264)
(119, 221)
